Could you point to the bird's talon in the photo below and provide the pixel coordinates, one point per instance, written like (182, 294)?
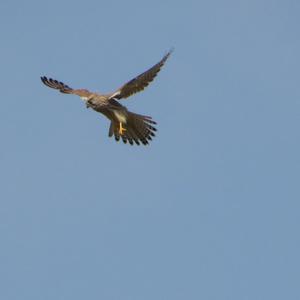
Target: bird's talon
(121, 129)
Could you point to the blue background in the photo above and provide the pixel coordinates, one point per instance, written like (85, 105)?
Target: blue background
(210, 210)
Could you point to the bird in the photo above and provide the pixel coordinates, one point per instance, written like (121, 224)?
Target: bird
(126, 125)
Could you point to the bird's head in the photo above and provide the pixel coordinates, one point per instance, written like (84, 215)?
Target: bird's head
(90, 102)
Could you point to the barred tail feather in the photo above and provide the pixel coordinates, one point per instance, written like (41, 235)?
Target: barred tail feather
(139, 129)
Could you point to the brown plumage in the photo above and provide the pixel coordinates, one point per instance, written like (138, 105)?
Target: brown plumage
(125, 125)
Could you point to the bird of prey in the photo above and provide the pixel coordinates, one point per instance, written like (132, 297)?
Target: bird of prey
(129, 126)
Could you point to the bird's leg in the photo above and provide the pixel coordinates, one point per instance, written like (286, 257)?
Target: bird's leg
(121, 129)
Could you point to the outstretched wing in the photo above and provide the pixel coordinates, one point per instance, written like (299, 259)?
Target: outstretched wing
(58, 85)
(138, 83)
(63, 88)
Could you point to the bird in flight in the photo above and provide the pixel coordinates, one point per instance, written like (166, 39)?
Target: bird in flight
(125, 125)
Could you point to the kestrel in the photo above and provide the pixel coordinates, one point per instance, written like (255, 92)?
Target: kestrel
(128, 126)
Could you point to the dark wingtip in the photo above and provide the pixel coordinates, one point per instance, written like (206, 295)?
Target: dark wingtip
(44, 80)
(168, 53)
(172, 49)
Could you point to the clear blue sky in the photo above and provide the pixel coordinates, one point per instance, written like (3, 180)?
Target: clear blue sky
(210, 210)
